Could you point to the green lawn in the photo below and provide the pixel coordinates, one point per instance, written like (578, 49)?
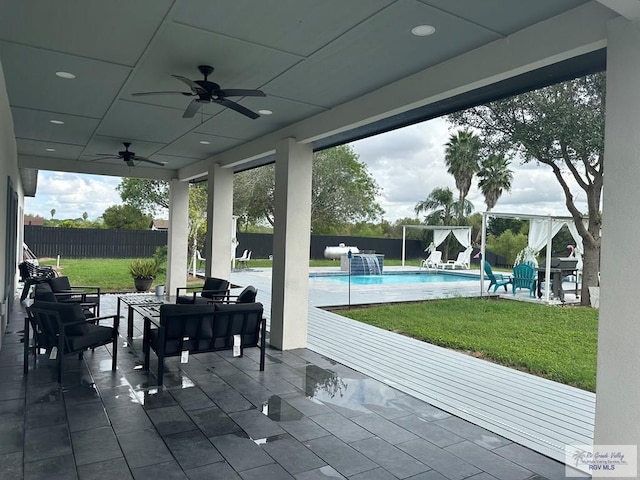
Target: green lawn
(110, 274)
(558, 343)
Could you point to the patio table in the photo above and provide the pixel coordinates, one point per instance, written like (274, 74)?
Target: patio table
(137, 300)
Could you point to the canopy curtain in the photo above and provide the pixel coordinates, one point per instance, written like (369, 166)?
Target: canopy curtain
(576, 236)
(463, 236)
(539, 231)
(439, 235)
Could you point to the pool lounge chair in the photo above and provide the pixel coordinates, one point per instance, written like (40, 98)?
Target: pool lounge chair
(434, 260)
(463, 261)
(497, 279)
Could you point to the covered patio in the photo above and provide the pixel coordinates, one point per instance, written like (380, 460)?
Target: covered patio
(331, 74)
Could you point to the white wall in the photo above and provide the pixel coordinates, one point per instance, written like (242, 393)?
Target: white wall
(8, 168)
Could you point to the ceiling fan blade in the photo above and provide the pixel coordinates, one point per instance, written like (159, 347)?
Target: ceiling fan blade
(237, 107)
(192, 85)
(104, 156)
(142, 94)
(148, 160)
(192, 108)
(130, 163)
(240, 92)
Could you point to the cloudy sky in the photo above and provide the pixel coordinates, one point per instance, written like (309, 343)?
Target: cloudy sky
(407, 164)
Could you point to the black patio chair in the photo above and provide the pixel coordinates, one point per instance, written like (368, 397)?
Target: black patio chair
(43, 293)
(32, 274)
(214, 290)
(248, 295)
(62, 329)
(65, 293)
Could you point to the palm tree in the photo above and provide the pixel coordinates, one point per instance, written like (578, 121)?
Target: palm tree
(495, 177)
(462, 155)
(441, 209)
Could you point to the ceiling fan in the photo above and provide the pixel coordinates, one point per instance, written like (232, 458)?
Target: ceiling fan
(210, 92)
(129, 157)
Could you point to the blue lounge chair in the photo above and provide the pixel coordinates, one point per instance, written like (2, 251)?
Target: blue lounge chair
(497, 279)
(524, 276)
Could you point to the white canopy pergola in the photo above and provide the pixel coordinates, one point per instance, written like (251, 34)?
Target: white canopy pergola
(440, 233)
(542, 229)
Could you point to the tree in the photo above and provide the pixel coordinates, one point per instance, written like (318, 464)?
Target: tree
(85, 216)
(461, 156)
(53, 212)
(126, 217)
(343, 192)
(441, 208)
(494, 177)
(146, 195)
(562, 127)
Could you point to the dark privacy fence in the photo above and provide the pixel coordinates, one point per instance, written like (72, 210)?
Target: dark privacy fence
(99, 243)
(92, 242)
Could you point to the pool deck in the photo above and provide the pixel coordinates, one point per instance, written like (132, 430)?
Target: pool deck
(532, 411)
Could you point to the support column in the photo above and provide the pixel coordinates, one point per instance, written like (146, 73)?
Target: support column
(178, 237)
(219, 221)
(291, 243)
(618, 381)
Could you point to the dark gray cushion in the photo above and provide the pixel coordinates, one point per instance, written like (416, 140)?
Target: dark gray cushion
(69, 312)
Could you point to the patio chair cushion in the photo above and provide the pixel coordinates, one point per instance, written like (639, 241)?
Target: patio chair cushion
(248, 295)
(213, 287)
(69, 313)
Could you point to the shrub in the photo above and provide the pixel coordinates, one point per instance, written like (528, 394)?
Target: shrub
(143, 268)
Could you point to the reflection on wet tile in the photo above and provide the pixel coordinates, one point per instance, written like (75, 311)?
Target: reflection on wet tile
(255, 424)
(322, 473)
(192, 449)
(154, 398)
(241, 453)
(277, 409)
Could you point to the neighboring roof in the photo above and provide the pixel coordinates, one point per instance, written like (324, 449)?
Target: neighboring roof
(160, 224)
(32, 220)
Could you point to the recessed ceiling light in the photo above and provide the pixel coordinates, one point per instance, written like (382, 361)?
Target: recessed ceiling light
(423, 30)
(66, 75)
(50, 149)
(204, 142)
(265, 112)
(56, 122)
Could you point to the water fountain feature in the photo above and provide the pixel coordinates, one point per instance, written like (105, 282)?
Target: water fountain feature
(363, 264)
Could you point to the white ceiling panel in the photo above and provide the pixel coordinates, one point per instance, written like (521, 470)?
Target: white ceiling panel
(39, 148)
(231, 124)
(350, 65)
(35, 125)
(504, 17)
(144, 122)
(115, 30)
(190, 146)
(308, 25)
(32, 81)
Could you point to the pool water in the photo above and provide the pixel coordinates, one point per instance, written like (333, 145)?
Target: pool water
(395, 278)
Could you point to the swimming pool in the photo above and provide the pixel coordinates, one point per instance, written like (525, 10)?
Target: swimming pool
(394, 278)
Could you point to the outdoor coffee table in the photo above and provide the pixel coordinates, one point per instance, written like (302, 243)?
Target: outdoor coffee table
(137, 300)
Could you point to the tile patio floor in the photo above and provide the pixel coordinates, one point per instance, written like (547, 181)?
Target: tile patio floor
(305, 417)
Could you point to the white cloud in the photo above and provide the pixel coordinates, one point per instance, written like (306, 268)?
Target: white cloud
(409, 163)
(72, 194)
